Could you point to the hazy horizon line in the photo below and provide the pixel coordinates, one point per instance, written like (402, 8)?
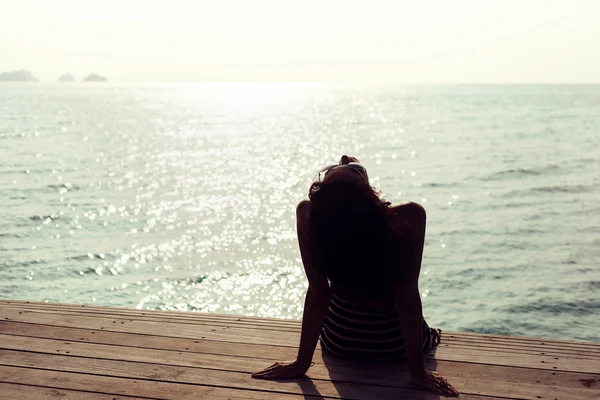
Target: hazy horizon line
(314, 82)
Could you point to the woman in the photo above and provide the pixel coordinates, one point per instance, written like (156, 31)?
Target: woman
(362, 258)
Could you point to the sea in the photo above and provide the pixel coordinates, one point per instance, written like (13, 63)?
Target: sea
(182, 196)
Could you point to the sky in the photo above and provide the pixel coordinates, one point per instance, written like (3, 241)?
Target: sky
(417, 41)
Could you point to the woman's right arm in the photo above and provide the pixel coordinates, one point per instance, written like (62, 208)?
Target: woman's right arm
(408, 299)
(316, 303)
(318, 294)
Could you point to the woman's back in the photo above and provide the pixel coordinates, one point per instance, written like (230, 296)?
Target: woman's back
(362, 269)
(353, 235)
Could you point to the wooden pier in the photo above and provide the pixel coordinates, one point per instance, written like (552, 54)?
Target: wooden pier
(59, 351)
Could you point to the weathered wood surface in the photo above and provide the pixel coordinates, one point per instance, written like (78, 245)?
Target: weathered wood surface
(85, 352)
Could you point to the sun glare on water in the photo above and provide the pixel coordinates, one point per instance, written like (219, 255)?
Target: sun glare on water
(256, 97)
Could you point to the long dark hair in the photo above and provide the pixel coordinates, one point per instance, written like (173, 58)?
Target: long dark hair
(353, 233)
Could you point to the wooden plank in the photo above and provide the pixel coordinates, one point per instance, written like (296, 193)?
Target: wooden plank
(492, 337)
(274, 336)
(185, 346)
(202, 318)
(163, 316)
(545, 362)
(520, 348)
(154, 327)
(148, 341)
(208, 378)
(489, 344)
(349, 378)
(10, 391)
(518, 341)
(191, 322)
(74, 334)
(506, 344)
(147, 389)
(504, 348)
(507, 349)
(264, 321)
(189, 347)
(483, 380)
(243, 336)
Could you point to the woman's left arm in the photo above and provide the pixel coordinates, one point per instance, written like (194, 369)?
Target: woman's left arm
(410, 311)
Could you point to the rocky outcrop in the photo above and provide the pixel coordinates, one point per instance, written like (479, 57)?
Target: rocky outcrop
(17, 76)
(95, 78)
(66, 78)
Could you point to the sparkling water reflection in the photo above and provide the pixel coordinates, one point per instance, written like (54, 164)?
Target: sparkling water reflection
(183, 196)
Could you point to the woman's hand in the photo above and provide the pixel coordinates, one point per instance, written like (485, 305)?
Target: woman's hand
(284, 369)
(436, 383)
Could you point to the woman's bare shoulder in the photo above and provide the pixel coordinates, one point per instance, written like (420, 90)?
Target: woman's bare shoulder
(409, 211)
(303, 206)
(407, 205)
(303, 211)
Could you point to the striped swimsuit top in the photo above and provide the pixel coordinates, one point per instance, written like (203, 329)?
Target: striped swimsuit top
(354, 330)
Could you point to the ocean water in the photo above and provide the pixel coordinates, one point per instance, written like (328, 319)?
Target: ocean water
(183, 196)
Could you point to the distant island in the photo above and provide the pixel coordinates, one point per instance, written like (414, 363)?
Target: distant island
(17, 76)
(94, 78)
(66, 78)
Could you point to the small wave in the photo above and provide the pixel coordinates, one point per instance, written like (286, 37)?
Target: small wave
(488, 329)
(26, 263)
(513, 204)
(587, 211)
(17, 235)
(509, 327)
(93, 270)
(578, 163)
(66, 185)
(579, 308)
(550, 190)
(91, 256)
(44, 217)
(593, 285)
(582, 287)
(519, 173)
(191, 281)
(563, 189)
(465, 232)
(439, 185)
(529, 231)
